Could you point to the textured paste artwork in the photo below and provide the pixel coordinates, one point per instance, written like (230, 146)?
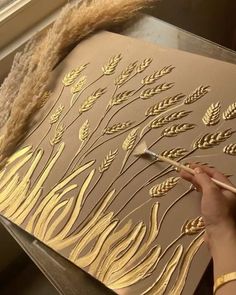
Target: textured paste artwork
(74, 183)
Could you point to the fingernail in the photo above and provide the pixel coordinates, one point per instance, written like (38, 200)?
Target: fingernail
(198, 170)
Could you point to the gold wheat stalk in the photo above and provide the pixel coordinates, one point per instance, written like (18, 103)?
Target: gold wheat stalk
(128, 144)
(230, 149)
(174, 153)
(45, 98)
(163, 105)
(120, 98)
(174, 130)
(117, 128)
(151, 79)
(58, 135)
(79, 85)
(84, 131)
(150, 92)
(230, 113)
(56, 116)
(106, 163)
(193, 226)
(144, 65)
(211, 140)
(197, 94)
(212, 115)
(110, 67)
(70, 78)
(125, 75)
(90, 101)
(162, 121)
(162, 189)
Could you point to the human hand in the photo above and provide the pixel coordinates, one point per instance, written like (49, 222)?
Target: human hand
(218, 206)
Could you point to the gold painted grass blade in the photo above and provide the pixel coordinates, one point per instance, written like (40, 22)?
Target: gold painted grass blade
(109, 243)
(19, 196)
(185, 265)
(119, 263)
(8, 190)
(49, 207)
(58, 187)
(50, 230)
(21, 152)
(14, 170)
(137, 273)
(95, 231)
(159, 287)
(29, 203)
(77, 208)
(118, 249)
(62, 244)
(92, 255)
(63, 204)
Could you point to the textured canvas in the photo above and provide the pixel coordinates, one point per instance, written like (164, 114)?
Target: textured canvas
(75, 184)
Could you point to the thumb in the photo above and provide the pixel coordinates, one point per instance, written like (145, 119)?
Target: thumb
(204, 180)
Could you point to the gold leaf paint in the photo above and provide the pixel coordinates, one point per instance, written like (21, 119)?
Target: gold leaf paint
(89, 258)
(162, 189)
(193, 226)
(211, 140)
(117, 127)
(230, 149)
(58, 187)
(150, 92)
(60, 244)
(200, 92)
(144, 65)
(139, 272)
(130, 140)
(164, 120)
(70, 78)
(84, 131)
(78, 86)
(125, 75)
(151, 79)
(106, 163)
(212, 115)
(90, 101)
(119, 263)
(111, 240)
(185, 265)
(159, 287)
(174, 130)
(111, 66)
(92, 234)
(230, 113)
(20, 153)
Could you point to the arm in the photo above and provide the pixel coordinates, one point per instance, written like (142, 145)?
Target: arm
(218, 208)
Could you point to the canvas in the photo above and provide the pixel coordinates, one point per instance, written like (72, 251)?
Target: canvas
(75, 184)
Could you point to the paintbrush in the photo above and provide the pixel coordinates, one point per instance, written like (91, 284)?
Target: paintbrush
(142, 150)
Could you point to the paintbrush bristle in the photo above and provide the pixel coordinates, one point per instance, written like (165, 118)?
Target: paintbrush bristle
(140, 149)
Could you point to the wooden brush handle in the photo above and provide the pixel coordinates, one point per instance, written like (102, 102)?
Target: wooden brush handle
(191, 171)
